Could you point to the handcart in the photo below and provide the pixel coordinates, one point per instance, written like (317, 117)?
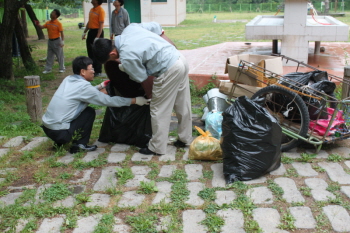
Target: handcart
(305, 113)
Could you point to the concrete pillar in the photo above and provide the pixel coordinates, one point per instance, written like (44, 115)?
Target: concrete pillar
(317, 47)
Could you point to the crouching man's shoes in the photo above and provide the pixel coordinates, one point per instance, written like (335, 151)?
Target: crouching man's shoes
(81, 147)
(147, 151)
(179, 144)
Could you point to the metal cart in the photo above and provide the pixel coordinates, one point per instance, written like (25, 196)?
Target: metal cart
(304, 113)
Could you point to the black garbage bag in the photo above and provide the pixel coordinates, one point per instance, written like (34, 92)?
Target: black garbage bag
(251, 141)
(296, 80)
(317, 80)
(128, 125)
(316, 108)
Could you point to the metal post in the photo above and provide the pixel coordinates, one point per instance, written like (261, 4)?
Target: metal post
(109, 14)
(275, 46)
(346, 81)
(317, 47)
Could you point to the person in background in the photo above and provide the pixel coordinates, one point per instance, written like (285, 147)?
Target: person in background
(95, 28)
(120, 19)
(55, 43)
(143, 53)
(68, 116)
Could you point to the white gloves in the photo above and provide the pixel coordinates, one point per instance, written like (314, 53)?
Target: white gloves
(103, 85)
(121, 68)
(142, 101)
(83, 36)
(96, 39)
(62, 42)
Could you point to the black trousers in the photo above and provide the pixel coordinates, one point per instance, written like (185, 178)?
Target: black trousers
(80, 129)
(89, 42)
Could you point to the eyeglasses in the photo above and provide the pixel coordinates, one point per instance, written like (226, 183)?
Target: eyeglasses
(91, 69)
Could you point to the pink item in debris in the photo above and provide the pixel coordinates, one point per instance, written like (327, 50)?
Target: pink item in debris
(320, 126)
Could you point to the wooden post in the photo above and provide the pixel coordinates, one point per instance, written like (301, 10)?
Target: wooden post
(33, 98)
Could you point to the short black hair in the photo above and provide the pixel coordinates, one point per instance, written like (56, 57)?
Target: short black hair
(101, 49)
(80, 63)
(100, 2)
(58, 13)
(121, 2)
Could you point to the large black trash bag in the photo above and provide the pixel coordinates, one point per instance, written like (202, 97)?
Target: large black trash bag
(296, 80)
(251, 141)
(128, 125)
(316, 108)
(317, 80)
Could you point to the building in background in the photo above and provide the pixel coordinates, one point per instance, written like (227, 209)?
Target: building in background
(165, 12)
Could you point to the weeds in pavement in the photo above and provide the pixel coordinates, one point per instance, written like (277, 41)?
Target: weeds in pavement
(335, 158)
(147, 187)
(124, 174)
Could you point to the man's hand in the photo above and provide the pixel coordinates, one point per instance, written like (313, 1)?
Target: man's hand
(103, 84)
(96, 39)
(142, 101)
(62, 43)
(104, 91)
(83, 36)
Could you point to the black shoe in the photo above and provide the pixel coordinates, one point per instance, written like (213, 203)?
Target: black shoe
(147, 151)
(81, 147)
(179, 144)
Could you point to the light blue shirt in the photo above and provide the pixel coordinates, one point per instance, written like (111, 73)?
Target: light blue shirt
(71, 98)
(144, 53)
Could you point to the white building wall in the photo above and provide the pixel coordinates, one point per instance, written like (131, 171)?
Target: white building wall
(181, 12)
(169, 13)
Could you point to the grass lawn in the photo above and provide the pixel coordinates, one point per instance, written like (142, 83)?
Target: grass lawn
(40, 166)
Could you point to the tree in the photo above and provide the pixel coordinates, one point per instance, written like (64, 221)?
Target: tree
(11, 24)
(33, 17)
(9, 19)
(27, 59)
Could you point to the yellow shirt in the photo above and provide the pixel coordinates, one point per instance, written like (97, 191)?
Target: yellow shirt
(96, 16)
(53, 28)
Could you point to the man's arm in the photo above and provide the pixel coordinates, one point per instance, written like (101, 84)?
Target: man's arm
(100, 28)
(111, 26)
(62, 39)
(85, 30)
(126, 19)
(167, 39)
(37, 23)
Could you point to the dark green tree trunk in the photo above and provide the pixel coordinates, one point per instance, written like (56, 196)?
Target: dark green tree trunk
(7, 26)
(33, 17)
(26, 56)
(24, 22)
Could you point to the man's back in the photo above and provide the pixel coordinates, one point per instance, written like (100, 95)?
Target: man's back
(139, 47)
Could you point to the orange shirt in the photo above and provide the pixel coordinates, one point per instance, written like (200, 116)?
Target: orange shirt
(53, 28)
(96, 16)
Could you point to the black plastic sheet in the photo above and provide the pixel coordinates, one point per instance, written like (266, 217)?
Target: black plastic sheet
(316, 80)
(251, 141)
(128, 125)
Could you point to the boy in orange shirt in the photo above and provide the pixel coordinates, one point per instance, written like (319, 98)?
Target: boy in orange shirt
(55, 43)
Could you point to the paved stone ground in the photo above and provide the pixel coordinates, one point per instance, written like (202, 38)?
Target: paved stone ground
(293, 179)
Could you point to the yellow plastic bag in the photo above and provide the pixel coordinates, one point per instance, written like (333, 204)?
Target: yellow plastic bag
(205, 147)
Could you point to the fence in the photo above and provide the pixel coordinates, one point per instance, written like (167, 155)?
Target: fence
(261, 7)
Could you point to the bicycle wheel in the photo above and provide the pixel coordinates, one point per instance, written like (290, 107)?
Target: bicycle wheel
(290, 111)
